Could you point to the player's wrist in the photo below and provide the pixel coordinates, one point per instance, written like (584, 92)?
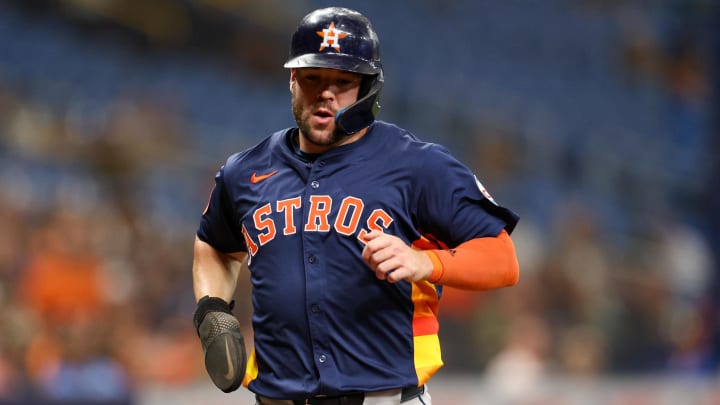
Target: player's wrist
(437, 267)
(209, 304)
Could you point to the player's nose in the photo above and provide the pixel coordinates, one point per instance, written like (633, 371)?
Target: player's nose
(328, 91)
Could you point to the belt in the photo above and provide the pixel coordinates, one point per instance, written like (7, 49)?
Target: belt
(408, 393)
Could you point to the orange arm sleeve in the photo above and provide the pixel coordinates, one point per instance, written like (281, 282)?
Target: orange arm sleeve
(478, 264)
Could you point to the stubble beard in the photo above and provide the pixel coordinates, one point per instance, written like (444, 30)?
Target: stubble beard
(318, 137)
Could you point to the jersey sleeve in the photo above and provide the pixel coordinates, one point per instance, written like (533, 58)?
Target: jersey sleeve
(216, 223)
(454, 206)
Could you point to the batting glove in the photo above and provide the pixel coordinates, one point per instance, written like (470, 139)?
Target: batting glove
(222, 342)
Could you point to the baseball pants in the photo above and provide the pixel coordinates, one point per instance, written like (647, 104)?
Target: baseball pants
(389, 397)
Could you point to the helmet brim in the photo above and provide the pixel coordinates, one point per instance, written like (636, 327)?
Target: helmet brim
(337, 61)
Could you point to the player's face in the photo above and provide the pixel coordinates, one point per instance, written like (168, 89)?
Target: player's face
(317, 96)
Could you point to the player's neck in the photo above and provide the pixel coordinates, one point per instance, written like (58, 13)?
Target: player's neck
(310, 148)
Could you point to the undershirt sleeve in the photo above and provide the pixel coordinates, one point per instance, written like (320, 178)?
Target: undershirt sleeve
(492, 260)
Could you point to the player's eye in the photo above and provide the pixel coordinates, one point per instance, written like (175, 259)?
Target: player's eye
(311, 79)
(344, 82)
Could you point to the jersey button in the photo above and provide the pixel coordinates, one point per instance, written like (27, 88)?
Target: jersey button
(311, 259)
(322, 358)
(315, 309)
(314, 184)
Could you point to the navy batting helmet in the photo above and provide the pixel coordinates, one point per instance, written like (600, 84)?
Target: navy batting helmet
(343, 39)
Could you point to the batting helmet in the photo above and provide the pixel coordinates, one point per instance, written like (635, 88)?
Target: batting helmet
(343, 39)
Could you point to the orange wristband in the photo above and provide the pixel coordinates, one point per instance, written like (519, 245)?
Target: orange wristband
(438, 269)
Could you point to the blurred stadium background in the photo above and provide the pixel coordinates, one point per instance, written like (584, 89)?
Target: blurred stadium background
(597, 120)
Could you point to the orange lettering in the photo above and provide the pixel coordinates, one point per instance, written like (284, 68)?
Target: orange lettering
(320, 206)
(288, 207)
(378, 220)
(342, 225)
(266, 224)
(251, 246)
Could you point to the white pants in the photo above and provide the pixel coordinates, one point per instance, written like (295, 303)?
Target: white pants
(390, 397)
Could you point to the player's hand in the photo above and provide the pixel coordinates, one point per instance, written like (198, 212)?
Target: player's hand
(393, 260)
(224, 347)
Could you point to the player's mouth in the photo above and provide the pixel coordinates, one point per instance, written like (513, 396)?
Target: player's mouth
(323, 116)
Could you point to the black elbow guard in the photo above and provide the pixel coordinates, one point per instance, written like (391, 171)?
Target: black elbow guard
(222, 342)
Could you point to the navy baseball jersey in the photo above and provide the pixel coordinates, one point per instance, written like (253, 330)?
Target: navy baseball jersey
(323, 323)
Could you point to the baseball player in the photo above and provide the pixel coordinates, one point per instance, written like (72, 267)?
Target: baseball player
(350, 227)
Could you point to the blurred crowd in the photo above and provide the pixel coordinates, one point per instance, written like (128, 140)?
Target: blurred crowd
(102, 188)
(95, 290)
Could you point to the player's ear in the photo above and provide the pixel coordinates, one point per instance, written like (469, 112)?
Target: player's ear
(292, 78)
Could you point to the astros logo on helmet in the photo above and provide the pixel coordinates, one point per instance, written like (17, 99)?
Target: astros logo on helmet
(331, 37)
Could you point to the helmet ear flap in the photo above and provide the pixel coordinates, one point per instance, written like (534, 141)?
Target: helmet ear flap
(366, 85)
(361, 114)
